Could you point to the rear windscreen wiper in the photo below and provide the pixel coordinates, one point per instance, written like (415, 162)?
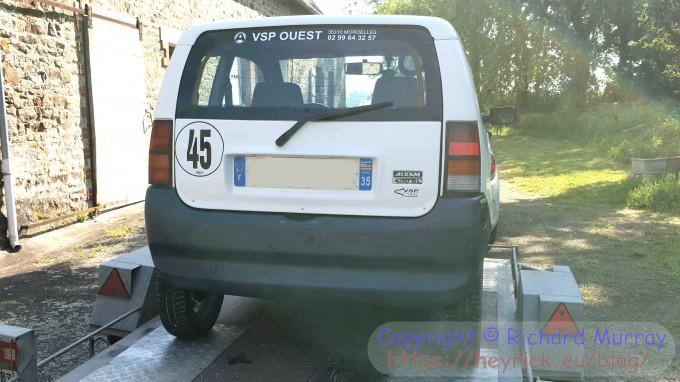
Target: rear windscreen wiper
(329, 116)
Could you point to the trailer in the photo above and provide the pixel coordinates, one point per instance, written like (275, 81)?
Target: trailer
(258, 340)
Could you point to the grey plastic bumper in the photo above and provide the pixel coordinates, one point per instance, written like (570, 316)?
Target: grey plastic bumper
(428, 260)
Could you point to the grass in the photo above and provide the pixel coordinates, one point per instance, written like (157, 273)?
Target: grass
(604, 122)
(572, 172)
(93, 251)
(657, 133)
(44, 260)
(658, 194)
(661, 140)
(561, 169)
(120, 232)
(593, 152)
(568, 174)
(564, 202)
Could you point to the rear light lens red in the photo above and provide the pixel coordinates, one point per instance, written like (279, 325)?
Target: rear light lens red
(113, 286)
(463, 148)
(463, 163)
(160, 154)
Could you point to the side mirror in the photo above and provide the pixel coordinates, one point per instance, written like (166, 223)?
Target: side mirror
(501, 116)
(490, 134)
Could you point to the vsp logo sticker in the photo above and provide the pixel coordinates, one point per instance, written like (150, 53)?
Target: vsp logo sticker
(240, 37)
(408, 192)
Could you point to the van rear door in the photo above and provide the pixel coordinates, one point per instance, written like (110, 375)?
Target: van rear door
(241, 90)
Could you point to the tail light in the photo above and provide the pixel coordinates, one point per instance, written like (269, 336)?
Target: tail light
(9, 356)
(493, 166)
(160, 154)
(113, 286)
(561, 322)
(463, 163)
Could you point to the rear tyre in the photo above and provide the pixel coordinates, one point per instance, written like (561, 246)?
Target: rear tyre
(494, 233)
(468, 309)
(467, 317)
(187, 314)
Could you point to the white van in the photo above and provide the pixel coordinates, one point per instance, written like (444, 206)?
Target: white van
(319, 158)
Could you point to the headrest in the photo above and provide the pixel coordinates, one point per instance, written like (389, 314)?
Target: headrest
(277, 94)
(402, 91)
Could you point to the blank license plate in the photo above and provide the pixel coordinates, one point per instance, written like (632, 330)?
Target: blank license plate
(304, 173)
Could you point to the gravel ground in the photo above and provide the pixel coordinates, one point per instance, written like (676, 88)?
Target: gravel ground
(51, 285)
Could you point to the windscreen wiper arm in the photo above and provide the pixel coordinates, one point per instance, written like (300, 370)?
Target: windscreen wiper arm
(329, 116)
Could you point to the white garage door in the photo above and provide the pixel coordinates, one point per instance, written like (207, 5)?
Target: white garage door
(120, 130)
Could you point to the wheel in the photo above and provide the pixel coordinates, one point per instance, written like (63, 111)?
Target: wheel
(468, 309)
(494, 233)
(187, 314)
(466, 316)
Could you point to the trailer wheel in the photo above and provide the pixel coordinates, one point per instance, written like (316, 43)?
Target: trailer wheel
(187, 314)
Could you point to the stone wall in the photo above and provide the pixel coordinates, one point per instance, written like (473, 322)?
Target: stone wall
(46, 88)
(48, 135)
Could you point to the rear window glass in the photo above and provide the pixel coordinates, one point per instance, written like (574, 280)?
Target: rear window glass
(292, 72)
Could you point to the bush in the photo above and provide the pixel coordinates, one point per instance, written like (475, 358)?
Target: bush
(620, 152)
(659, 194)
(660, 141)
(603, 126)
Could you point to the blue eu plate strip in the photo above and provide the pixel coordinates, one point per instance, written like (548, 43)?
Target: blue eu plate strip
(365, 174)
(239, 171)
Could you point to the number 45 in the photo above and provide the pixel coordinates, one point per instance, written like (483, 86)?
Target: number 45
(199, 151)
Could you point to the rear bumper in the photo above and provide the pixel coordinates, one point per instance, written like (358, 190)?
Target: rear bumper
(429, 260)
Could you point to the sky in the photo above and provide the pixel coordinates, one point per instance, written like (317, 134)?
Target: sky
(337, 7)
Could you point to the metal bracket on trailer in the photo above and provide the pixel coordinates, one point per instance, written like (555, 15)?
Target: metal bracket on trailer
(126, 282)
(513, 263)
(125, 301)
(18, 354)
(548, 303)
(18, 357)
(516, 287)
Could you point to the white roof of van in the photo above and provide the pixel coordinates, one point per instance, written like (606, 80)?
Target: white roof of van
(439, 29)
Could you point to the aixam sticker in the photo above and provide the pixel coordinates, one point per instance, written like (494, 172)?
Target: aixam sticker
(199, 149)
(408, 192)
(407, 177)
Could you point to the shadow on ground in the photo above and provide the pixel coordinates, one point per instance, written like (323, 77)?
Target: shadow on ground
(56, 301)
(626, 262)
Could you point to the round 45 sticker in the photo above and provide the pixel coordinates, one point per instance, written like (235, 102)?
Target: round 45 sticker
(199, 149)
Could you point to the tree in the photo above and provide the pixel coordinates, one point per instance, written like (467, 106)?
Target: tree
(531, 52)
(656, 61)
